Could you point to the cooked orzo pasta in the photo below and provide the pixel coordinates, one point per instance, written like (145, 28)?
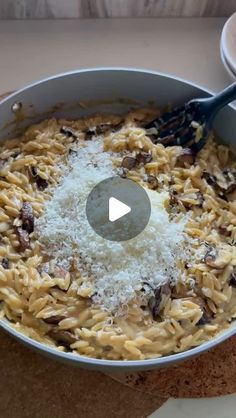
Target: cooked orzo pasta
(171, 288)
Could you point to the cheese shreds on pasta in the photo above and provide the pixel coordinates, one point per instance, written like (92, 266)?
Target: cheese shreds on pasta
(114, 271)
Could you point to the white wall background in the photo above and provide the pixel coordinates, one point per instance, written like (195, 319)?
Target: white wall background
(56, 9)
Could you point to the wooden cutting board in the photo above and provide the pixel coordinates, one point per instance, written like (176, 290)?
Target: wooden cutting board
(210, 374)
(34, 386)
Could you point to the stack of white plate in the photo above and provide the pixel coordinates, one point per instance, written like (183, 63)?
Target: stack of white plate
(228, 46)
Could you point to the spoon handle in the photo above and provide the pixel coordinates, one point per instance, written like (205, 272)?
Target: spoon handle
(221, 99)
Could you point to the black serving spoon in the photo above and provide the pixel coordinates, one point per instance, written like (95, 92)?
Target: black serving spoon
(190, 125)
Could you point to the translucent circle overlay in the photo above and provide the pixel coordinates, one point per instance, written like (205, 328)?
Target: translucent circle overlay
(127, 192)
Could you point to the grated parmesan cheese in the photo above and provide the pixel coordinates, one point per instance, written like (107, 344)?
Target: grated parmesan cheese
(114, 270)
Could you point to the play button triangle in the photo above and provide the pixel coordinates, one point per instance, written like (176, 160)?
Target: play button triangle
(117, 209)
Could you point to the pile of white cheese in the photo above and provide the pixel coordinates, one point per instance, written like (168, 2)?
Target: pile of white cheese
(114, 270)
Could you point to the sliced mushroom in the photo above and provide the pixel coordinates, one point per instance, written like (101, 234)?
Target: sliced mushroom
(27, 217)
(33, 171)
(187, 157)
(210, 178)
(223, 196)
(62, 337)
(68, 131)
(173, 198)
(198, 300)
(122, 172)
(157, 302)
(205, 318)
(207, 315)
(129, 162)
(165, 289)
(153, 182)
(23, 238)
(144, 157)
(217, 259)
(231, 188)
(200, 199)
(89, 133)
(154, 306)
(224, 185)
(42, 184)
(232, 280)
(230, 177)
(190, 201)
(5, 263)
(73, 152)
(54, 320)
(97, 130)
(166, 140)
(187, 201)
(107, 126)
(107, 348)
(104, 127)
(210, 257)
(224, 231)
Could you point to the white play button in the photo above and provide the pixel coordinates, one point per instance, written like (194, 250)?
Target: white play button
(117, 209)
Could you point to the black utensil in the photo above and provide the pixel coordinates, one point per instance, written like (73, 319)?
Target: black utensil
(190, 125)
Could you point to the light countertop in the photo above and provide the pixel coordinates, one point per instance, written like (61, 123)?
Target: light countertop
(189, 48)
(30, 50)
